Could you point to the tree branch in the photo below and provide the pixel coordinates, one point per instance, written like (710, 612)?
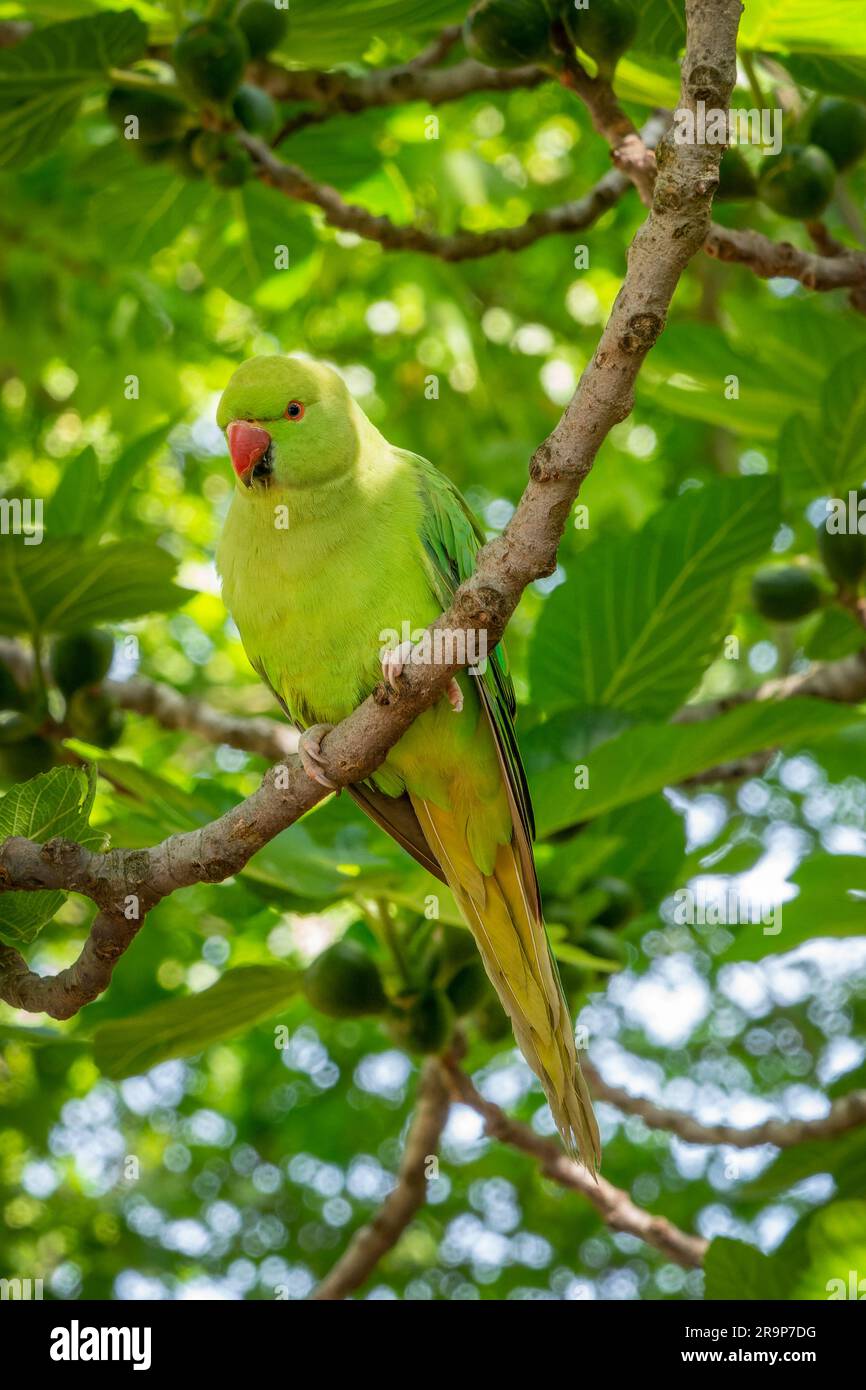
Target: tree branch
(614, 1206)
(843, 681)
(124, 881)
(374, 1240)
(849, 1112)
(268, 738)
(342, 93)
(628, 148)
(836, 267)
(456, 246)
(843, 270)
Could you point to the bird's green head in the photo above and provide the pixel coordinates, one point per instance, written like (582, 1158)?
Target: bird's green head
(290, 424)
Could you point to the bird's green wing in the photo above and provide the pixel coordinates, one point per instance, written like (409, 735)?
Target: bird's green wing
(452, 538)
(394, 815)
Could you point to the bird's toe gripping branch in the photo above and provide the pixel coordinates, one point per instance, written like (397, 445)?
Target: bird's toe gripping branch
(312, 759)
(393, 662)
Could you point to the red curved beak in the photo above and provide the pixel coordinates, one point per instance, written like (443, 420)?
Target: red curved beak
(247, 443)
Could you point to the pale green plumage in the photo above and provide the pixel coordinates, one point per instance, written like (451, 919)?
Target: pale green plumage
(347, 539)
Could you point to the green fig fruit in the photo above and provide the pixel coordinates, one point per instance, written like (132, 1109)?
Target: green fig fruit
(210, 57)
(785, 593)
(467, 987)
(232, 171)
(344, 982)
(181, 155)
(843, 554)
(839, 129)
(737, 183)
(509, 33)
(160, 115)
(208, 148)
(604, 29)
(263, 26)
(255, 110)
(427, 1025)
(798, 182)
(81, 659)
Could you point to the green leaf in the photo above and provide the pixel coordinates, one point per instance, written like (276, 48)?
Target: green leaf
(837, 633)
(801, 26)
(44, 79)
(350, 155)
(842, 76)
(647, 79)
(576, 955)
(72, 505)
(734, 1270)
(687, 374)
(128, 464)
(334, 31)
(843, 421)
(831, 901)
(180, 1027)
(145, 208)
(640, 616)
(40, 1037)
(661, 28)
(828, 456)
(56, 803)
(240, 238)
(836, 1246)
(61, 586)
(648, 757)
(844, 1156)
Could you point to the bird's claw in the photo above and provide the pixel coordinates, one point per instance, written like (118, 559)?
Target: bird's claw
(310, 754)
(395, 659)
(393, 662)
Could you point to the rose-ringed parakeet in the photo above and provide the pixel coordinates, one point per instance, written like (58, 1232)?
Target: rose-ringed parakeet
(334, 537)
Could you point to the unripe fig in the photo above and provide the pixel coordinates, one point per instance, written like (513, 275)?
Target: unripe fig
(344, 982)
(785, 593)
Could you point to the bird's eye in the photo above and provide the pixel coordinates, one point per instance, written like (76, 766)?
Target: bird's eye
(294, 410)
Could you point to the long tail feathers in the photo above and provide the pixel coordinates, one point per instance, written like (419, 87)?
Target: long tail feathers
(511, 938)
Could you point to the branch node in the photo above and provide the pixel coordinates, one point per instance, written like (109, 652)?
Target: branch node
(641, 332)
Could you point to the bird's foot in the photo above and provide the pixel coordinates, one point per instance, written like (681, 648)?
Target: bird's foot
(310, 754)
(393, 662)
(395, 659)
(454, 695)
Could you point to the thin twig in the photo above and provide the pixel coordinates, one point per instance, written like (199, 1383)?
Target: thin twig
(577, 215)
(342, 93)
(849, 1112)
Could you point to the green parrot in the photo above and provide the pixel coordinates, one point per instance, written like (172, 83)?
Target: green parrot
(334, 539)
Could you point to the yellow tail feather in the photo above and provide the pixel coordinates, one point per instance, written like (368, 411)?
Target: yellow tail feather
(511, 938)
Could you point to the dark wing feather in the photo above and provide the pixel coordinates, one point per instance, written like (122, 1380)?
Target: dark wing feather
(396, 816)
